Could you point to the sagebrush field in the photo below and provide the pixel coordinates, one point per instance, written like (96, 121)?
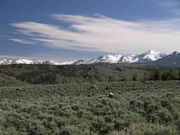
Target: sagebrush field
(89, 100)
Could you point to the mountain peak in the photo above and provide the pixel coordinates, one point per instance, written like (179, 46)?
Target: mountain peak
(151, 55)
(152, 52)
(175, 53)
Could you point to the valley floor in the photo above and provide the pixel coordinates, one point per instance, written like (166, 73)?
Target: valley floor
(136, 108)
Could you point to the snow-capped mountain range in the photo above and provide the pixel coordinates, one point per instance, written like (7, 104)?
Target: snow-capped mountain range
(146, 57)
(151, 55)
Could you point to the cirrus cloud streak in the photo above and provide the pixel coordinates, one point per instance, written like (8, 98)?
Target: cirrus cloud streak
(100, 33)
(20, 41)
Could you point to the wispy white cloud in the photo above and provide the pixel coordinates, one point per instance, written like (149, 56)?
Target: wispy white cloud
(100, 33)
(20, 41)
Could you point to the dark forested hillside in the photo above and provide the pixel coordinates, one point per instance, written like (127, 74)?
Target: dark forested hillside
(49, 74)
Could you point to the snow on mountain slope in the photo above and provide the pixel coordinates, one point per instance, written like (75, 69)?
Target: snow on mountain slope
(26, 61)
(67, 62)
(10, 61)
(49, 62)
(151, 55)
(6, 61)
(169, 60)
(129, 59)
(144, 57)
(79, 62)
(140, 58)
(106, 59)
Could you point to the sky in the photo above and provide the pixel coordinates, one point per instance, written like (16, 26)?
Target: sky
(83, 29)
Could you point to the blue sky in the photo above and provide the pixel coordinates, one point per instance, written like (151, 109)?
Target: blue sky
(73, 29)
